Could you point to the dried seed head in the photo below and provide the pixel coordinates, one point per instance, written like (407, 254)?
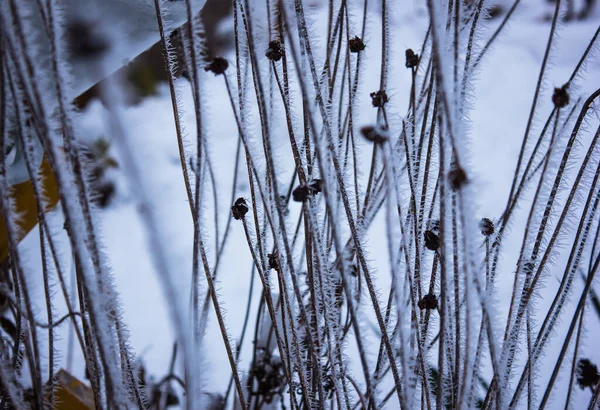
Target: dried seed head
(275, 50)
(273, 263)
(379, 98)
(412, 59)
(587, 374)
(375, 134)
(303, 191)
(84, 41)
(432, 241)
(218, 66)
(457, 178)
(429, 302)
(486, 226)
(356, 45)
(239, 209)
(560, 98)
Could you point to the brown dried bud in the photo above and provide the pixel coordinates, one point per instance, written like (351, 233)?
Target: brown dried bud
(379, 98)
(486, 226)
(560, 98)
(273, 263)
(374, 134)
(239, 209)
(587, 374)
(275, 50)
(429, 302)
(432, 241)
(217, 66)
(457, 178)
(302, 192)
(356, 45)
(412, 59)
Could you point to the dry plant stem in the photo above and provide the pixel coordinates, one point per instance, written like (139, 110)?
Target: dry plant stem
(574, 360)
(167, 55)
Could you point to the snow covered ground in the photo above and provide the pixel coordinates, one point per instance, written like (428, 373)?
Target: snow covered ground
(504, 90)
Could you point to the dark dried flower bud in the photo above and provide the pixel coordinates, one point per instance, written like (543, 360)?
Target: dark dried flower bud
(300, 193)
(275, 50)
(429, 302)
(303, 191)
(412, 59)
(239, 209)
(560, 98)
(379, 98)
(217, 66)
(486, 226)
(374, 134)
(273, 263)
(432, 241)
(457, 178)
(84, 41)
(356, 45)
(587, 374)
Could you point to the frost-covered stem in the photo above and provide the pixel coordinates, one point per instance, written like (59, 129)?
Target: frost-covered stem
(456, 283)
(569, 334)
(575, 356)
(534, 103)
(167, 56)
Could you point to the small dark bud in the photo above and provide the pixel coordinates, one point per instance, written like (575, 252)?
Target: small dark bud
(356, 45)
(587, 374)
(457, 178)
(486, 226)
(217, 66)
(273, 263)
(374, 134)
(239, 209)
(432, 241)
(84, 41)
(275, 50)
(412, 59)
(429, 302)
(302, 192)
(560, 98)
(379, 98)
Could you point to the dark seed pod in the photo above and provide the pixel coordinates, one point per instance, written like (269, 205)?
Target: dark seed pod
(84, 41)
(273, 263)
(379, 98)
(560, 98)
(486, 226)
(218, 66)
(300, 193)
(429, 302)
(356, 45)
(457, 178)
(374, 134)
(432, 241)
(239, 209)
(275, 50)
(412, 59)
(587, 374)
